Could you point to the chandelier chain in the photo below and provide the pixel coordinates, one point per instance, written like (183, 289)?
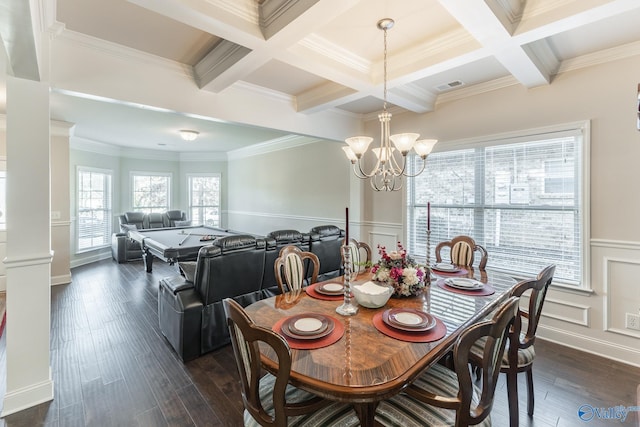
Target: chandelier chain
(384, 105)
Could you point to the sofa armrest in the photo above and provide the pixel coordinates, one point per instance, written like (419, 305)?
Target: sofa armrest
(176, 284)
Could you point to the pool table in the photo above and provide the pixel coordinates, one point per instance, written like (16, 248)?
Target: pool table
(175, 243)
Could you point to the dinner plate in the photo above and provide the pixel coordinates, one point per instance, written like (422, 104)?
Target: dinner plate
(307, 326)
(464, 283)
(330, 289)
(408, 319)
(446, 267)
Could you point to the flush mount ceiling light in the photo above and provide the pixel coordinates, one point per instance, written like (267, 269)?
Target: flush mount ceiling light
(189, 135)
(390, 166)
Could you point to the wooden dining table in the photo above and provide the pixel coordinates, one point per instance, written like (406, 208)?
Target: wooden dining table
(365, 365)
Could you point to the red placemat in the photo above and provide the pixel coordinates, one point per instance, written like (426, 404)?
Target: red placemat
(486, 289)
(333, 337)
(311, 291)
(434, 334)
(462, 272)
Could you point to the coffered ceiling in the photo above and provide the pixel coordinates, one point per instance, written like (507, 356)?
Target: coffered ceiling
(131, 73)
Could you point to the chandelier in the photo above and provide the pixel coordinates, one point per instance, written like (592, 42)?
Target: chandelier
(391, 161)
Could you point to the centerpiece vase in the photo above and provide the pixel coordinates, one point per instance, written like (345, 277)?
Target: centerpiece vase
(348, 307)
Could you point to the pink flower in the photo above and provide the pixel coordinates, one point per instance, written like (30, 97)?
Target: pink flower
(395, 273)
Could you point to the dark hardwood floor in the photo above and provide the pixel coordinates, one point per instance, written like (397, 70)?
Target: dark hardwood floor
(112, 367)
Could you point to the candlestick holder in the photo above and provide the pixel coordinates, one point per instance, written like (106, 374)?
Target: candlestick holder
(347, 308)
(429, 248)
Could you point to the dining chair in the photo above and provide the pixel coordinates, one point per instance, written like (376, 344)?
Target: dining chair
(291, 268)
(270, 400)
(448, 397)
(536, 290)
(360, 255)
(461, 251)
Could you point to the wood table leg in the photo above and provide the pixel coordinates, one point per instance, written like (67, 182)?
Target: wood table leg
(366, 413)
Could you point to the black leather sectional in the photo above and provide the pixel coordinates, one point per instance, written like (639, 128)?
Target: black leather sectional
(240, 267)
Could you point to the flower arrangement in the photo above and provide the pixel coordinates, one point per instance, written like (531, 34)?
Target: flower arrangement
(399, 270)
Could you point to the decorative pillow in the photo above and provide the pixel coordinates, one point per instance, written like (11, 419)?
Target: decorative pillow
(127, 227)
(186, 223)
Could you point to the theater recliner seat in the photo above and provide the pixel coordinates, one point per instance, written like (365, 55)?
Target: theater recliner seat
(123, 248)
(325, 241)
(190, 313)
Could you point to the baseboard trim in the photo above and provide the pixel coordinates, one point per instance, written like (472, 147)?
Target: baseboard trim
(606, 349)
(27, 397)
(63, 279)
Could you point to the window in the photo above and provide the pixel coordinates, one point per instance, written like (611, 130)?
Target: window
(204, 199)
(94, 209)
(150, 192)
(521, 197)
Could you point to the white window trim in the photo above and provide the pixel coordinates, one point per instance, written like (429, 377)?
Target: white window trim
(149, 173)
(188, 190)
(79, 169)
(584, 127)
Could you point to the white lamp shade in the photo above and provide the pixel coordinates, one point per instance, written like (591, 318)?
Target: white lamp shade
(359, 144)
(350, 154)
(383, 154)
(424, 146)
(404, 141)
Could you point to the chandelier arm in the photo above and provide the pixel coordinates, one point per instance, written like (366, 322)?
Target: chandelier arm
(372, 173)
(424, 163)
(395, 167)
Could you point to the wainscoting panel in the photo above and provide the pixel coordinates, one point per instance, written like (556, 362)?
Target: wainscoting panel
(565, 311)
(621, 294)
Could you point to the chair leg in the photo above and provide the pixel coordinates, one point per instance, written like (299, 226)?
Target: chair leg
(512, 394)
(530, 398)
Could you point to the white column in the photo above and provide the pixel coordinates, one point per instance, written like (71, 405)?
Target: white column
(29, 255)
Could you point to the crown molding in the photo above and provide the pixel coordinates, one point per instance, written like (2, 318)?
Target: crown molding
(279, 144)
(124, 53)
(336, 52)
(259, 90)
(246, 10)
(203, 157)
(608, 55)
(58, 128)
(222, 57)
(274, 15)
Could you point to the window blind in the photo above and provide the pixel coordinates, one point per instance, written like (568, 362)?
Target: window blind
(519, 198)
(94, 209)
(204, 199)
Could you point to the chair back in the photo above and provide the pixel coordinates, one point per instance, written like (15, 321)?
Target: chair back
(290, 268)
(462, 250)
(360, 255)
(503, 327)
(245, 339)
(537, 290)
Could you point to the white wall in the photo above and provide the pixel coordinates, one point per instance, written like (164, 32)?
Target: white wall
(297, 188)
(607, 96)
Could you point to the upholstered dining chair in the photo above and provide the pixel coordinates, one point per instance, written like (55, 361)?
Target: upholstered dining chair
(270, 400)
(536, 290)
(291, 268)
(448, 397)
(360, 255)
(461, 251)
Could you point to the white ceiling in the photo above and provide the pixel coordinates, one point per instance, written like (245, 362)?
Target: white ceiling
(319, 58)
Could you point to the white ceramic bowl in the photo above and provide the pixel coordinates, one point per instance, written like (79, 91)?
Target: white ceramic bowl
(372, 295)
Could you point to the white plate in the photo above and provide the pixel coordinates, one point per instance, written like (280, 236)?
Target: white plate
(462, 283)
(408, 318)
(333, 287)
(308, 324)
(443, 266)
